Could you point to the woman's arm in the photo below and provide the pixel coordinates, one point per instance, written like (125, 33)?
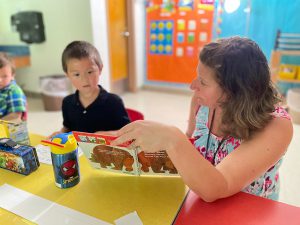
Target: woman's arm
(237, 170)
(246, 163)
(110, 133)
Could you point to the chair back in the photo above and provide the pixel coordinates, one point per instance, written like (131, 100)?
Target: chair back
(134, 115)
(25, 114)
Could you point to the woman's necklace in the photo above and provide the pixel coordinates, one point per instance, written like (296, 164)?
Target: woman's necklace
(208, 139)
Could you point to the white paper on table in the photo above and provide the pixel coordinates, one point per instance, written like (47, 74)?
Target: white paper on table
(40, 210)
(131, 218)
(44, 153)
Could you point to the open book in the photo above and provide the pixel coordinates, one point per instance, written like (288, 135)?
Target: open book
(120, 158)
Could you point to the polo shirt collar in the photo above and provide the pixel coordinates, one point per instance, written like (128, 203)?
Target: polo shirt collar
(102, 96)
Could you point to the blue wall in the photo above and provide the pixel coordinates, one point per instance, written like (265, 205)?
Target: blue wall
(265, 18)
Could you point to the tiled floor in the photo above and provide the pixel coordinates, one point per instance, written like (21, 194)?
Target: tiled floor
(173, 109)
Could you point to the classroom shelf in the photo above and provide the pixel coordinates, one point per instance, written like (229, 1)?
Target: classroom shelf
(276, 62)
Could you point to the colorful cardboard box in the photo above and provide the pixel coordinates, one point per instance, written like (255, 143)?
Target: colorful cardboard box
(17, 131)
(18, 158)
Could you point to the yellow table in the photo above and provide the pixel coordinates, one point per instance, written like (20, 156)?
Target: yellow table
(104, 195)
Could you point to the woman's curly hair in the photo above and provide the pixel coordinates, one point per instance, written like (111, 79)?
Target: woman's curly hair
(242, 72)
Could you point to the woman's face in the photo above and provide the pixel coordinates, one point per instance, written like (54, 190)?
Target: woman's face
(207, 91)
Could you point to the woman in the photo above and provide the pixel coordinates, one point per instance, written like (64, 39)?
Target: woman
(240, 130)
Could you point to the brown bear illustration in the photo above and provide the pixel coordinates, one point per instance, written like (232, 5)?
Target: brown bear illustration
(159, 162)
(108, 156)
(101, 154)
(144, 161)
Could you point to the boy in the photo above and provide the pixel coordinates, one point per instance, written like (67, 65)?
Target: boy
(12, 98)
(90, 108)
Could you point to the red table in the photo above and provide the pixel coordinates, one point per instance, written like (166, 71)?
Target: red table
(240, 209)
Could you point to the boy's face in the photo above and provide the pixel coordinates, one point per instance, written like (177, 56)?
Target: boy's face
(6, 76)
(84, 74)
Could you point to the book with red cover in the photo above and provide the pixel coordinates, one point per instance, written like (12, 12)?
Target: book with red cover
(102, 155)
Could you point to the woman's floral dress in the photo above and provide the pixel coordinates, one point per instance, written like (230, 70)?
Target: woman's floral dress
(265, 186)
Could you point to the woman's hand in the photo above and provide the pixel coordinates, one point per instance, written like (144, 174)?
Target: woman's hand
(108, 133)
(149, 136)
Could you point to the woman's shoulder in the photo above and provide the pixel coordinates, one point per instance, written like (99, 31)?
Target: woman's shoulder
(281, 120)
(275, 136)
(280, 127)
(280, 112)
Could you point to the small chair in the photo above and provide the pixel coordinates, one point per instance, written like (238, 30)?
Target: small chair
(25, 114)
(134, 115)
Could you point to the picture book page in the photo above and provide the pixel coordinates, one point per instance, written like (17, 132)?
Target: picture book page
(102, 155)
(156, 163)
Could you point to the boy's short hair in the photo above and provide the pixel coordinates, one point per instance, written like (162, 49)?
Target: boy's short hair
(6, 60)
(79, 50)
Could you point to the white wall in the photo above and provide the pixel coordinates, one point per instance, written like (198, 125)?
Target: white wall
(64, 21)
(100, 38)
(139, 27)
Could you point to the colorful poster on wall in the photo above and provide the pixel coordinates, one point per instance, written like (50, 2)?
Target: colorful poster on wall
(185, 5)
(167, 6)
(161, 37)
(203, 2)
(176, 31)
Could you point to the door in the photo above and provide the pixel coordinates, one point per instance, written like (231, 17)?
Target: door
(118, 46)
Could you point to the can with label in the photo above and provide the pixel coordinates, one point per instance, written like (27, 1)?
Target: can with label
(64, 160)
